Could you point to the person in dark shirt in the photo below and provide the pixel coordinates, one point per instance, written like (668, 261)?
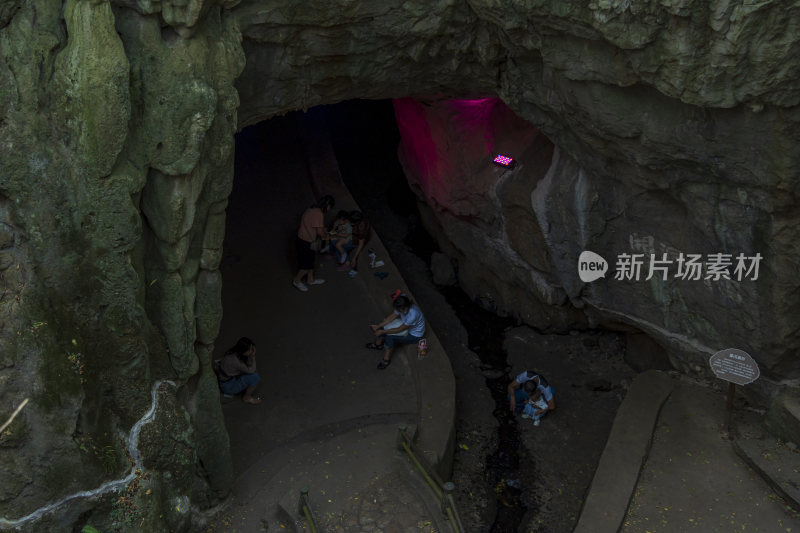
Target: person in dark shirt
(236, 371)
(361, 231)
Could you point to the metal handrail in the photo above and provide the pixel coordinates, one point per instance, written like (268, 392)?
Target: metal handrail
(443, 491)
(304, 509)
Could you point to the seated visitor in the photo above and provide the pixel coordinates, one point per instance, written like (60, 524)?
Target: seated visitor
(361, 232)
(236, 371)
(535, 406)
(412, 320)
(341, 236)
(517, 396)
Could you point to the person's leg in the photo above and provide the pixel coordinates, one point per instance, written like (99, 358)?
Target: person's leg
(377, 344)
(305, 264)
(520, 397)
(301, 273)
(250, 381)
(335, 250)
(237, 384)
(390, 342)
(387, 358)
(229, 387)
(351, 261)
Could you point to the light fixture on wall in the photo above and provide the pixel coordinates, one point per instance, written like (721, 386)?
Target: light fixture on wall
(504, 161)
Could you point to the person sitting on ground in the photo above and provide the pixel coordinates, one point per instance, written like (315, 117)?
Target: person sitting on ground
(361, 232)
(312, 225)
(517, 396)
(341, 236)
(397, 322)
(536, 406)
(236, 371)
(413, 320)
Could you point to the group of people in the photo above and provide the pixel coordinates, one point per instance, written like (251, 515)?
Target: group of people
(529, 393)
(348, 235)
(236, 369)
(345, 239)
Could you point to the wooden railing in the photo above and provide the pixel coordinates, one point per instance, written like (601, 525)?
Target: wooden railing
(443, 490)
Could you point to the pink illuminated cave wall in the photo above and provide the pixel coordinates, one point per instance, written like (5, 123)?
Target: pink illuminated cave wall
(447, 148)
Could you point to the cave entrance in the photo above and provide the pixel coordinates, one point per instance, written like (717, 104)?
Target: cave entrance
(273, 183)
(297, 333)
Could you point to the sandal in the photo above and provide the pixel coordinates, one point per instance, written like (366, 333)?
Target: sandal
(384, 363)
(373, 346)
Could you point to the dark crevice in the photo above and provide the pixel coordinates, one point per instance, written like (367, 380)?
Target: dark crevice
(364, 159)
(486, 336)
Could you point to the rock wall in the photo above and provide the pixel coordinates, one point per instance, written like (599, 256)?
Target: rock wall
(116, 126)
(517, 236)
(117, 144)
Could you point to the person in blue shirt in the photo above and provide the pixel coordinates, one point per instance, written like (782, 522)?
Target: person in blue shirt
(518, 394)
(413, 322)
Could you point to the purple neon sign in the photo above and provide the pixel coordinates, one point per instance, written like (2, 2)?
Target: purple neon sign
(504, 161)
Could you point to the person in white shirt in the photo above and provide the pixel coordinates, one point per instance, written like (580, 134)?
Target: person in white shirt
(536, 406)
(413, 321)
(516, 395)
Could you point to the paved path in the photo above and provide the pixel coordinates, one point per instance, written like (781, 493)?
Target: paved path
(689, 474)
(329, 418)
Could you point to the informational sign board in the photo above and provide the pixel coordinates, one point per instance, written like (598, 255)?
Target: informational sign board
(735, 366)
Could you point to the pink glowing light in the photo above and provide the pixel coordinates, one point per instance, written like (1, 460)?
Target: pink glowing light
(504, 161)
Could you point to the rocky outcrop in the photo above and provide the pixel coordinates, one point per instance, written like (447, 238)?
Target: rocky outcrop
(669, 129)
(518, 235)
(663, 127)
(117, 143)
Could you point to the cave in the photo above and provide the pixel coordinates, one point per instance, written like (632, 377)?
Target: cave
(655, 132)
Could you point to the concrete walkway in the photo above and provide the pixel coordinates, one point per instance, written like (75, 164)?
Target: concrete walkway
(669, 466)
(329, 419)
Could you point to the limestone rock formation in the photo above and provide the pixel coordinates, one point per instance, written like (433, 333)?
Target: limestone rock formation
(649, 127)
(518, 236)
(117, 143)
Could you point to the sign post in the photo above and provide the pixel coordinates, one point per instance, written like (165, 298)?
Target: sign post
(737, 367)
